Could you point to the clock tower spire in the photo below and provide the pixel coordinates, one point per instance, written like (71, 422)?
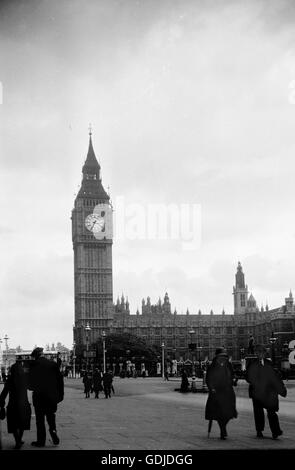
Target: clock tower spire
(91, 182)
(92, 245)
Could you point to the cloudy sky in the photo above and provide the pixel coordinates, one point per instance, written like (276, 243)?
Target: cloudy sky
(191, 102)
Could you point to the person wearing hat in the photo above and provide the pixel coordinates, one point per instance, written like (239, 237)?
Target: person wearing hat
(18, 408)
(221, 401)
(265, 386)
(46, 382)
(96, 380)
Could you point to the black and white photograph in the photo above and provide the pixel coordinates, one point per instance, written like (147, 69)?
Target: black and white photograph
(147, 168)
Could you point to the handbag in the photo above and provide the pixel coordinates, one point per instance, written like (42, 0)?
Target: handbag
(2, 413)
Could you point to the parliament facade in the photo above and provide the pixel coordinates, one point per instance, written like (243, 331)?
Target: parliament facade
(96, 313)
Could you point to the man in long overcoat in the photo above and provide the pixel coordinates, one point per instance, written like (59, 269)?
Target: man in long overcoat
(97, 379)
(264, 389)
(107, 383)
(46, 381)
(221, 402)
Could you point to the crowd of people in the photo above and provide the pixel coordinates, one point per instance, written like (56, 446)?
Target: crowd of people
(95, 382)
(45, 380)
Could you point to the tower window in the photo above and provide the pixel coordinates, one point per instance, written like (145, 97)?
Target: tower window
(243, 302)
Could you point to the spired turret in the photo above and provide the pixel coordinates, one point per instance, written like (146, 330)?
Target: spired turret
(240, 292)
(91, 186)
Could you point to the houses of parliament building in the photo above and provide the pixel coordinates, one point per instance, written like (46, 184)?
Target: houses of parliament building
(95, 311)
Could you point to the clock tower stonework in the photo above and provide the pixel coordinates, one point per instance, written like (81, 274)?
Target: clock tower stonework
(92, 244)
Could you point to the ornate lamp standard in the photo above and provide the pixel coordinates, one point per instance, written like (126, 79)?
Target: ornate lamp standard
(272, 341)
(163, 359)
(104, 350)
(1, 357)
(6, 351)
(191, 333)
(74, 360)
(87, 329)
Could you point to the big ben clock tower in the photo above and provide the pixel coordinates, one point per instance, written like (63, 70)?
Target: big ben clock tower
(92, 244)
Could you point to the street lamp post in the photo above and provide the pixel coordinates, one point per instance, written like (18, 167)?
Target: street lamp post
(87, 329)
(272, 341)
(191, 332)
(74, 360)
(104, 350)
(163, 360)
(6, 352)
(1, 357)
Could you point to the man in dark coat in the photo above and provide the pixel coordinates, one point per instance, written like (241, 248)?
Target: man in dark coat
(265, 386)
(107, 383)
(221, 402)
(97, 378)
(46, 381)
(87, 381)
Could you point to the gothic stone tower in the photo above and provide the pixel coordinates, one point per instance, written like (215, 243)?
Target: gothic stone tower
(92, 244)
(240, 292)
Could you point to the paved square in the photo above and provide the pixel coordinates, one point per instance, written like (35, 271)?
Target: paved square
(148, 414)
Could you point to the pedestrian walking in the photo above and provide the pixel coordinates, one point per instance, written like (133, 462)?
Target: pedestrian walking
(221, 401)
(166, 375)
(87, 381)
(46, 382)
(18, 414)
(59, 361)
(107, 383)
(194, 384)
(264, 388)
(184, 382)
(96, 380)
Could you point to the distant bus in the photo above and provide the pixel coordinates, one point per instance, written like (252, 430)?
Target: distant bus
(26, 357)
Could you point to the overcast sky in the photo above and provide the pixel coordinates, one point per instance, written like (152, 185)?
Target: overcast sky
(191, 102)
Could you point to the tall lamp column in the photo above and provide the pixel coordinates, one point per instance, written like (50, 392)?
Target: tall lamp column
(163, 360)
(87, 329)
(6, 352)
(104, 350)
(272, 341)
(74, 360)
(191, 332)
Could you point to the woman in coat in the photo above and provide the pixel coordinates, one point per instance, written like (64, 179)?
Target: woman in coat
(18, 408)
(184, 382)
(221, 402)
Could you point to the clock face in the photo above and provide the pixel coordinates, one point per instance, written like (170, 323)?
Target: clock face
(95, 223)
